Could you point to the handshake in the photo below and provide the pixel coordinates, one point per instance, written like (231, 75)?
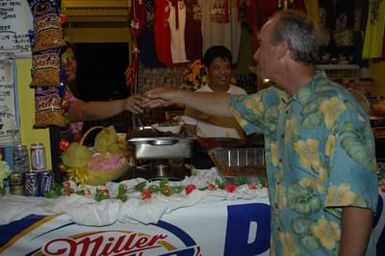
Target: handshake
(157, 97)
(211, 103)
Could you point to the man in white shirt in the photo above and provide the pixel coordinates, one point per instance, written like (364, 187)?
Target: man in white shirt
(217, 61)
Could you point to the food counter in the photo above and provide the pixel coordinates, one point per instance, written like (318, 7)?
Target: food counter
(204, 224)
(221, 228)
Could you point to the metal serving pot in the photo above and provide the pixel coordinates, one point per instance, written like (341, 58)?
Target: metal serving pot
(162, 147)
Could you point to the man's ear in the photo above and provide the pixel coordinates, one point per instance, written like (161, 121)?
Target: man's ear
(283, 49)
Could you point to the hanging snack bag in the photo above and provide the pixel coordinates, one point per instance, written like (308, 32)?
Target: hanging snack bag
(48, 111)
(48, 31)
(46, 68)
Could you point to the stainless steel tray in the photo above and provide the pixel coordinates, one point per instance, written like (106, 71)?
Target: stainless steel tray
(162, 147)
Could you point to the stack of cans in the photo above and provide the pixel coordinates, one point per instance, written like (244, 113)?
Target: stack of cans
(16, 184)
(20, 159)
(38, 183)
(38, 162)
(38, 180)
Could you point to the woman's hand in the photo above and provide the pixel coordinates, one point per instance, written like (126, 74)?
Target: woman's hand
(133, 104)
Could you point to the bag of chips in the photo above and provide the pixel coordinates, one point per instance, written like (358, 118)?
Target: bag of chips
(48, 109)
(48, 31)
(46, 68)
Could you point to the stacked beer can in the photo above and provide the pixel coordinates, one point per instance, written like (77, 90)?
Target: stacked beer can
(20, 166)
(38, 180)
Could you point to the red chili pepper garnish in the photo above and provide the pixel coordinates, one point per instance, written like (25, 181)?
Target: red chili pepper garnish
(190, 188)
(69, 191)
(230, 187)
(211, 186)
(66, 184)
(146, 195)
(105, 193)
(252, 186)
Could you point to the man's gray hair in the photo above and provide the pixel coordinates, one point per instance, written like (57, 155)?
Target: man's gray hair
(303, 36)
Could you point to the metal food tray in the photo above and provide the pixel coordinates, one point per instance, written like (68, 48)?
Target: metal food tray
(239, 161)
(162, 147)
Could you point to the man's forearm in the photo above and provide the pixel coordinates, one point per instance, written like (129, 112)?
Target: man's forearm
(355, 230)
(211, 103)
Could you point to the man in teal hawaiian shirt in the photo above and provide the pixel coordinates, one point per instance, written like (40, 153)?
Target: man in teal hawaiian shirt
(319, 147)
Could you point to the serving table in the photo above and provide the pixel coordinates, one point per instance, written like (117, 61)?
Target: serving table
(200, 223)
(221, 228)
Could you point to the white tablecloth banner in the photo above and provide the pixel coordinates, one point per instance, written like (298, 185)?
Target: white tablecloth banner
(219, 228)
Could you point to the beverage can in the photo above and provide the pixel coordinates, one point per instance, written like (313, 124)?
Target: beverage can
(38, 162)
(31, 184)
(16, 183)
(46, 182)
(20, 159)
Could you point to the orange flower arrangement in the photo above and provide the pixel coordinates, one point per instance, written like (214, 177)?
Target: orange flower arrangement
(194, 75)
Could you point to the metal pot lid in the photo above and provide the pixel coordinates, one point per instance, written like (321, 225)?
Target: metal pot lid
(161, 140)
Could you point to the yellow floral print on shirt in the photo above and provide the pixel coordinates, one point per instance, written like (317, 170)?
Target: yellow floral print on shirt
(288, 244)
(308, 153)
(274, 153)
(341, 195)
(255, 104)
(328, 233)
(330, 144)
(316, 183)
(331, 109)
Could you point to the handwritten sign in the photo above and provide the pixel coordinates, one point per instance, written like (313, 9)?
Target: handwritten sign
(8, 108)
(15, 21)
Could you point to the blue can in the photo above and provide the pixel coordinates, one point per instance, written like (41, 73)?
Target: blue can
(46, 182)
(31, 184)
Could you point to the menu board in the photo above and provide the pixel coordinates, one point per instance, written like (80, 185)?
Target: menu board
(9, 119)
(15, 22)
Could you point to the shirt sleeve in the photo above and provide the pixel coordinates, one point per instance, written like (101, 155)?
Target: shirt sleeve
(257, 112)
(353, 175)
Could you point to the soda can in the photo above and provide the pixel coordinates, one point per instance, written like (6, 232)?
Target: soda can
(31, 184)
(20, 159)
(38, 162)
(46, 182)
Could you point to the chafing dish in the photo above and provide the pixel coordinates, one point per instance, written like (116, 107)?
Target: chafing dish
(162, 147)
(239, 161)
